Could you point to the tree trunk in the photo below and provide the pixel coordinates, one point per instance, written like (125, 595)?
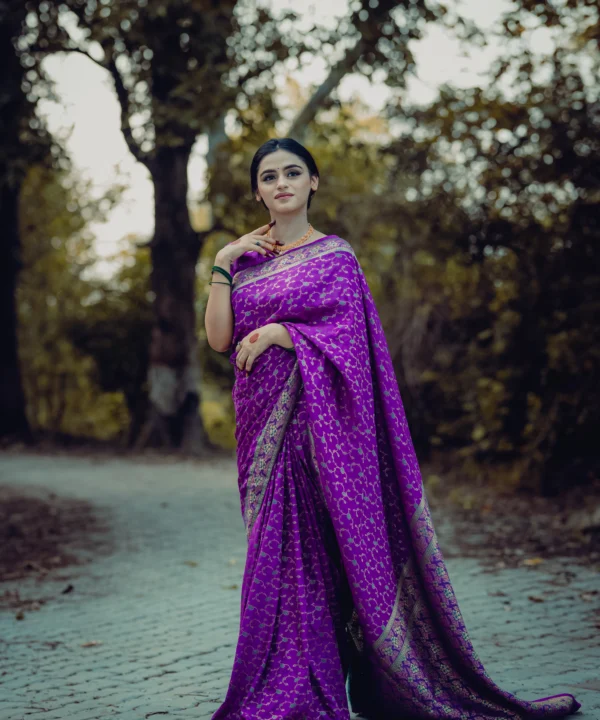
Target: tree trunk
(13, 420)
(174, 369)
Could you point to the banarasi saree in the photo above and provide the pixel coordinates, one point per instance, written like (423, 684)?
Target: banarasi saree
(345, 598)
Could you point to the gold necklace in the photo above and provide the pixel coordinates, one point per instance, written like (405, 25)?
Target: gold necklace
(285, 248)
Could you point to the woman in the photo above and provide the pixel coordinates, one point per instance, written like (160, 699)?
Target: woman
(345, 592)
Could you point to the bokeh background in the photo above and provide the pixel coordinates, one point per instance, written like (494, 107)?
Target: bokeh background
(459, 151)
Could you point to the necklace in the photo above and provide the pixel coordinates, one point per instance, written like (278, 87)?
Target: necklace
(285, 248)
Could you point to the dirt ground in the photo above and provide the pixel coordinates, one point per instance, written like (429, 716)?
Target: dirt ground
(42, 532)
(508, 530)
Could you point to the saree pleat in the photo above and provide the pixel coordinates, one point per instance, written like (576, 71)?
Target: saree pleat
(346, 598)
(289, 659)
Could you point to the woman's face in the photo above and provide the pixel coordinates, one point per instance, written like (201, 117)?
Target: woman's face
(283, 172)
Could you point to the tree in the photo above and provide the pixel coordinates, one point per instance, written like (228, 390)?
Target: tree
(115, 331)
(179, 70)
(508, 279)
(22, 143)
(64, 392)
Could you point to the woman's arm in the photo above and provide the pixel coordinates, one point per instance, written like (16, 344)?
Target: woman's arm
(218, 319)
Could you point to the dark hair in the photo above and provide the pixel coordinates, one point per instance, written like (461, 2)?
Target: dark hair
(290, 145)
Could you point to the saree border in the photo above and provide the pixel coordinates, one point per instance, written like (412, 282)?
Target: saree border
(267, 447)
(408, 565)
(407, 651)
(289, 260)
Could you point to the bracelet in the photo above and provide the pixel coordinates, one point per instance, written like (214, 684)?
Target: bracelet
(217, 282)
(216, 268)
(290, 349)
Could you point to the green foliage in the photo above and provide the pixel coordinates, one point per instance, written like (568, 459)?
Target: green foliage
(509, 348)
(60, 384)
(115, 331)
(477, 227)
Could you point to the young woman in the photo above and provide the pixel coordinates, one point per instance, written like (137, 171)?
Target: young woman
(345, 592)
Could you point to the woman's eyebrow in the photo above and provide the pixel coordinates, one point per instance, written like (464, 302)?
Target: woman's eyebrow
(285, 168)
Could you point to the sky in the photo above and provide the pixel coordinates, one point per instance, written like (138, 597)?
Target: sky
(88, 113)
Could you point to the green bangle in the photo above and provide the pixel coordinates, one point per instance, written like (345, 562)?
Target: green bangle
(290, 349)
(216, 268)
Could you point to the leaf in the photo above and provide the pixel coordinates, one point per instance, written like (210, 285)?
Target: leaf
(478, 432)
(533, 561)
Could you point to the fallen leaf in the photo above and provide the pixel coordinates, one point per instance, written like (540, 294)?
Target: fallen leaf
(191, 563)
(230, 587)
(91, 643)
(533, 561)
(535, 598)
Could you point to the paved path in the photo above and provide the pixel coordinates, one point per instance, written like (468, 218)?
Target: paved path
(165, 604)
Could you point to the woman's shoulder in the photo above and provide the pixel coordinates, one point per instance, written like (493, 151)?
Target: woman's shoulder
(336, 240)
(339, 243)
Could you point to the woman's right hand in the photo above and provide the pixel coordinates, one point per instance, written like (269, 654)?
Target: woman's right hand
(248, 242)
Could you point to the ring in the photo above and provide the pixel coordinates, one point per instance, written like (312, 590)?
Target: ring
(257, 242)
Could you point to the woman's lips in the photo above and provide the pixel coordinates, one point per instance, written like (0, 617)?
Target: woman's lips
(280, 197)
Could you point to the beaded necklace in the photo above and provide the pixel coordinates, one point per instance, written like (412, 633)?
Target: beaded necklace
(287, 247)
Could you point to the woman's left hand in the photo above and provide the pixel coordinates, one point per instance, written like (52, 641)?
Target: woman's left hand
(256, 342)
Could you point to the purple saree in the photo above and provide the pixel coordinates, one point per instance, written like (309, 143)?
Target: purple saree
(345, 594)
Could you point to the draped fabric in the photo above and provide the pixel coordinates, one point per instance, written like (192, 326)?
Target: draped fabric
(345, 596)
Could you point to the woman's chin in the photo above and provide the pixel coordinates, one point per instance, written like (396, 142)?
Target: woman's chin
(286, 207)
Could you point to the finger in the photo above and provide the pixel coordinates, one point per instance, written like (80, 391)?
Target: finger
(262, 229)
(264, 247)
(270, 243)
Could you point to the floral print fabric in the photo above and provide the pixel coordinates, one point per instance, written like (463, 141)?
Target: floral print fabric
(345, 596)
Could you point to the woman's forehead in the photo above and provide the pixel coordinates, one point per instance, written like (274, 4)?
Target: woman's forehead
(279, 159)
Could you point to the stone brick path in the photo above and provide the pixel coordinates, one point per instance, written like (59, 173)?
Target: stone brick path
(149, 628)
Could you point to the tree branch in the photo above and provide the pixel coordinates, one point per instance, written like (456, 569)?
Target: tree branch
(121, 90)
(300, 123)
(123, 97)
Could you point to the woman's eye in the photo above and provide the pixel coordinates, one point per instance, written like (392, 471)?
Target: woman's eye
(268, 177)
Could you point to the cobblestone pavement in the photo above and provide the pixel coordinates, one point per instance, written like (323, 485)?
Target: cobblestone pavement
(163, 606)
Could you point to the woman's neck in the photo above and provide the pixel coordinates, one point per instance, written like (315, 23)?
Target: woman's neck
(289, 229)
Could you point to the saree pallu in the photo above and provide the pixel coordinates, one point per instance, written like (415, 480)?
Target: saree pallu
(346, 598)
